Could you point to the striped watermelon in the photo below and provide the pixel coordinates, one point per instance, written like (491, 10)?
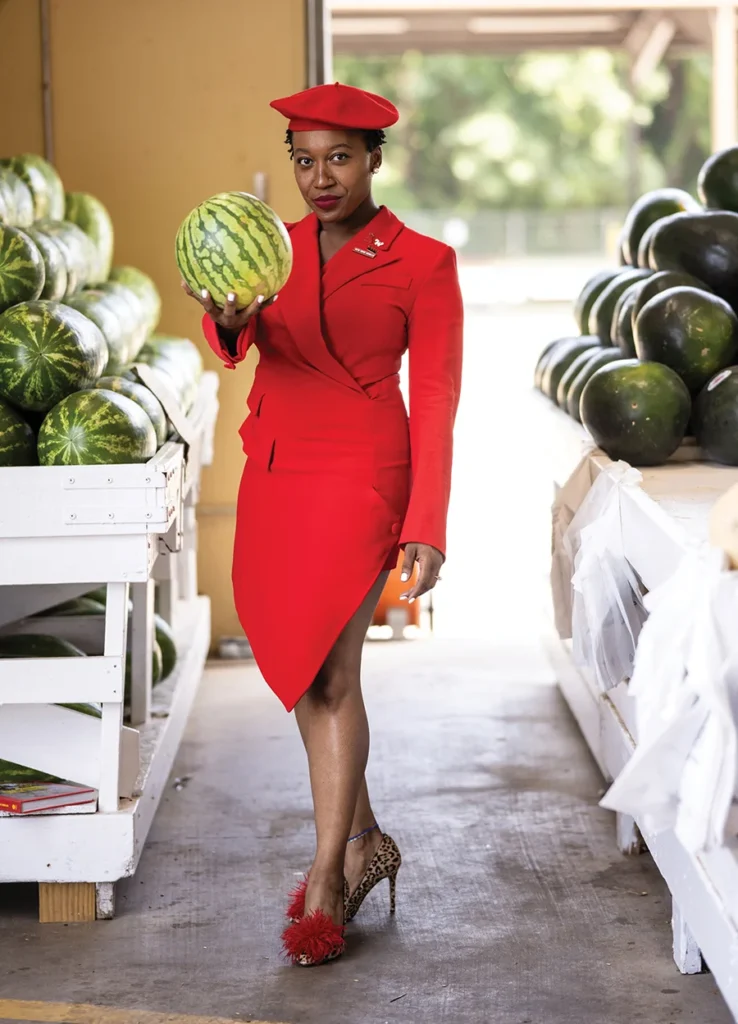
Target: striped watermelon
(234, 243)
(167, 646)
(95, 427)
(144, 288)
(148, 401)
(17, 441)
(78, 250)
(89, 214)
(7, 206)
(135, 320)
(21, 200)
(22, 273)
(55, 278)
(47, 351)
(97, 307)
(43, 181)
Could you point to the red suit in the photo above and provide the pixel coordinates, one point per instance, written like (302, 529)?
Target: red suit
(337, 477)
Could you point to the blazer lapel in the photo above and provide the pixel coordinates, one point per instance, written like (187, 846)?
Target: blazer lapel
(300, 302)
(367, 252)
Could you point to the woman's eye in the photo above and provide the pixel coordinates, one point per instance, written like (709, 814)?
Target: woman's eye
(340, 156)
(304, 161)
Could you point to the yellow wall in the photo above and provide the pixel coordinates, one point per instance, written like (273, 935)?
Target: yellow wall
(21, 117)
(158, 104)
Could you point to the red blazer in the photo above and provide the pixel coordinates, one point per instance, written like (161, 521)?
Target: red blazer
(352, 323)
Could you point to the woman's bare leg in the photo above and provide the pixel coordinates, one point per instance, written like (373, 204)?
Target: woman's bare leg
(333, 724)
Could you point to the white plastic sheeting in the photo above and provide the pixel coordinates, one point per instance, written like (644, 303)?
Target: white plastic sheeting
(684, 771)
(607, 607)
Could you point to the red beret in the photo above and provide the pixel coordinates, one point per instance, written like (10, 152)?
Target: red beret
(326, 107)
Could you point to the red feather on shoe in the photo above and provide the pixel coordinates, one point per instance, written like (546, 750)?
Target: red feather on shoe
(313, 939)
(296, 908)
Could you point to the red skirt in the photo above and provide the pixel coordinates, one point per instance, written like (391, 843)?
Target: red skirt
(320, 509)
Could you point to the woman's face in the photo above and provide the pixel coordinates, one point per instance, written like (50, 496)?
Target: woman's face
(333, 170)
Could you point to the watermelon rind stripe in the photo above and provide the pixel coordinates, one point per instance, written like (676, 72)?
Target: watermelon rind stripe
(234, 242)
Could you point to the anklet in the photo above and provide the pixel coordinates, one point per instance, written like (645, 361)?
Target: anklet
(364, 833)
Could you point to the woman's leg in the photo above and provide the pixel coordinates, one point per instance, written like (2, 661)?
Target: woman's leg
(333, 724)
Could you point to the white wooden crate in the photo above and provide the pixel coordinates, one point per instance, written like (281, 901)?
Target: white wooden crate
(64, 532)
(669, 511)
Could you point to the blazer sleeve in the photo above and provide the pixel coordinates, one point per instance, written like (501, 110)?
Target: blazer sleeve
(245, 339)
(435, 332)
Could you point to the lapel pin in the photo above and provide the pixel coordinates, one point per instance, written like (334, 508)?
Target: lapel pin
(370, 253)
(378, 243)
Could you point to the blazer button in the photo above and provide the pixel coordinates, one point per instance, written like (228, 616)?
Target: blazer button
(395, 528)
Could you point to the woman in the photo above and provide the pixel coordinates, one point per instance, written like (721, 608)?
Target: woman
(337, 480)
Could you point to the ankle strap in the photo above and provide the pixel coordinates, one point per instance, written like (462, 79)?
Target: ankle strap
(366, 832)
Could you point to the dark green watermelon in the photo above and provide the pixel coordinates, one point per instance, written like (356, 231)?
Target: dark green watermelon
(589, 295)
(643, 258)
(621, 332)
(47, 351)
(96, 306)
(715, 417)
(156, 670)
(17, 440)
(148, 401)
(96, 427)
(568, 377)
(693, 332)
(55, 267)
(76, 606)
(717, 184)
(543, 359)
(21, 201)
(651, 207)
(661, 281)
(600, 317)
(167, 646)
(31, 645)
(635, 411)
(704, 245)
(21, 268)
(560, 361)
(598, 358)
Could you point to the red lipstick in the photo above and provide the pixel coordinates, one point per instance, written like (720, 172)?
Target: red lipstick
(327, 202)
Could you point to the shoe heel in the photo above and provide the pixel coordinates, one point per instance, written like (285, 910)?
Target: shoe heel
(393, 891)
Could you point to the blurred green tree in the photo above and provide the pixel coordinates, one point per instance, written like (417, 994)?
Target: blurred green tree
(534, 131)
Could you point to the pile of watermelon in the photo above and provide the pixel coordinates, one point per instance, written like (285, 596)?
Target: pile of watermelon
(72, 326)
(655, 354)
(46, 645)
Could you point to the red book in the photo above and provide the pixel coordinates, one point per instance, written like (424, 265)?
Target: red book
(30, 797)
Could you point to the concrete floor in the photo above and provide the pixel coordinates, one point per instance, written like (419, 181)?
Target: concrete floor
(513, 904)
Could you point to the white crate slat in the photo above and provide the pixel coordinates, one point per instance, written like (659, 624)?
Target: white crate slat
(61, 680)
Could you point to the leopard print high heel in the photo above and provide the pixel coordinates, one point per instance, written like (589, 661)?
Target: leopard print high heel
(385, 863)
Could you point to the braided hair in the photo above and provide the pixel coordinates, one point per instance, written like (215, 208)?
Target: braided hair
(374, 138)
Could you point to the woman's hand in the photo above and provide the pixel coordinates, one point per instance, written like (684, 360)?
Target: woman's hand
(232, 320)
(429, 561)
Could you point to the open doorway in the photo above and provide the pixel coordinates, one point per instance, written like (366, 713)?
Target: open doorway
(525, 136)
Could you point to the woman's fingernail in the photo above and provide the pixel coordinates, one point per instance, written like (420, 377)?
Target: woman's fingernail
(404, 577)
(403, 597)
(231, 297)
(204, 293)
(260, 299)
(411, 600)
(274, 298)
